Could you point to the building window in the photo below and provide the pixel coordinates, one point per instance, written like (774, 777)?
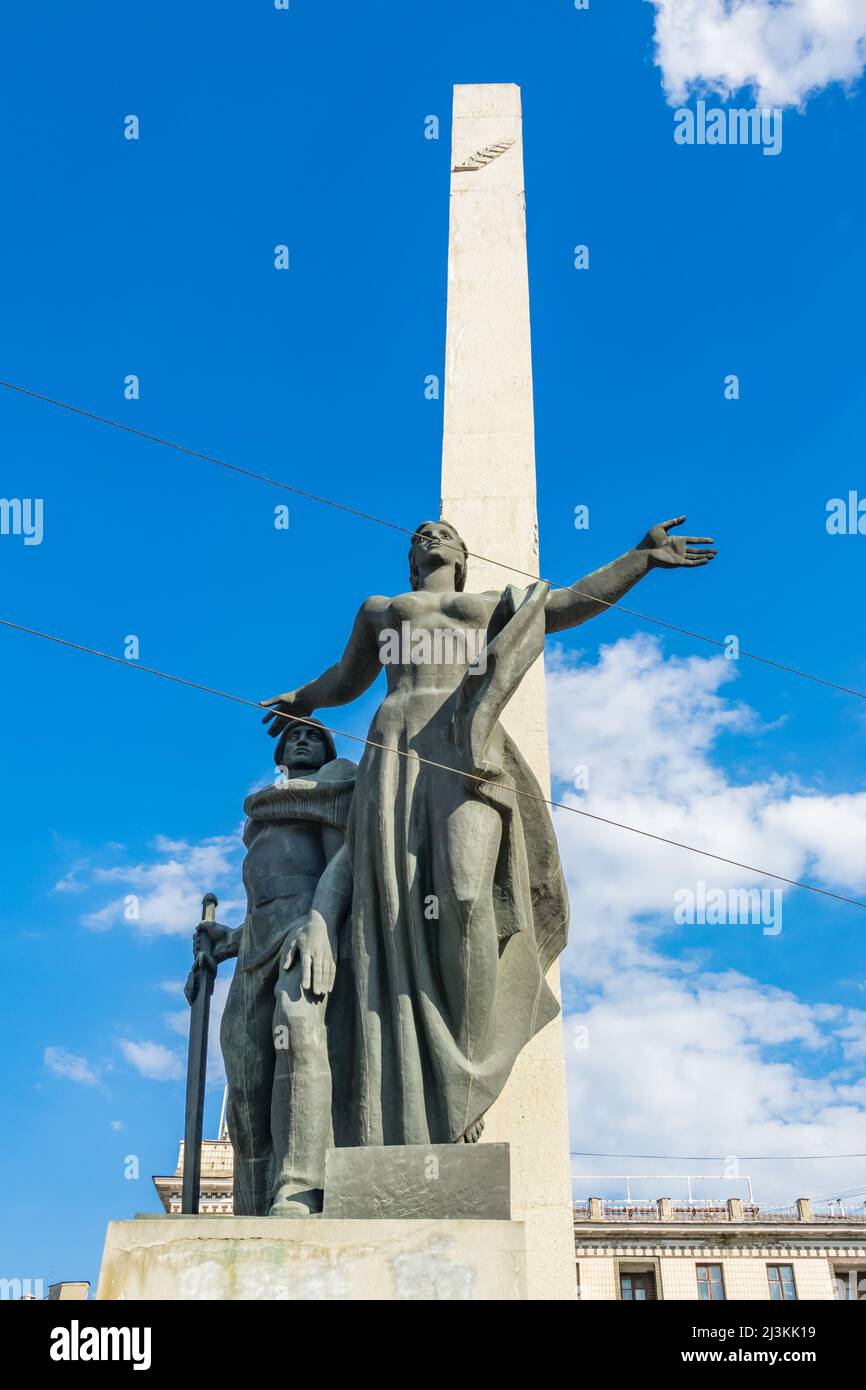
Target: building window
(851, 1285)
(710, 1283)
(637, 1287)
(782, 1288)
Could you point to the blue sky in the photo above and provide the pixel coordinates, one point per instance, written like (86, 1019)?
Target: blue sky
(155, 257)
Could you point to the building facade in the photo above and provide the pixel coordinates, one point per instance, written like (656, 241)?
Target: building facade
(217, 1166)
(637, 1251)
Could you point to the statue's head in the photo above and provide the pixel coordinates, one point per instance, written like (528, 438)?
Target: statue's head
(304, 747)
(434, 545)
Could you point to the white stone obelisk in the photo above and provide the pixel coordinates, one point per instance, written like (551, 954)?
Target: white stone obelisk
(488, 493)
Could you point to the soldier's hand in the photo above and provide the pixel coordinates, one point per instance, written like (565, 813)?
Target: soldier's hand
(214, 939)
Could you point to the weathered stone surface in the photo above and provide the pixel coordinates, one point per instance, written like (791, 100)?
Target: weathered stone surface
(312, 1258)
(435, 1181)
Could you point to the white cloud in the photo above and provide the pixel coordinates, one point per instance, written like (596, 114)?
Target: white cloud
(69, 1065)
(153, 1060)
(785, 50)
(164, 897)
(69, 884)
(689, 1066)
(644, 728)
(683, 1059)
(168, 893)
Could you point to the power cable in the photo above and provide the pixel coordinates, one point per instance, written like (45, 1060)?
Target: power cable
(370, 743)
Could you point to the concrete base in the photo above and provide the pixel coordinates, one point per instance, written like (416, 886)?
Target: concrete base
(194, 1258)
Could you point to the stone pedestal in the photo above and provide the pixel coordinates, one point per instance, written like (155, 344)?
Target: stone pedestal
(451, 1182)
(193, 1258)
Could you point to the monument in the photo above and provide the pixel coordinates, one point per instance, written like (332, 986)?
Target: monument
(393, 1041)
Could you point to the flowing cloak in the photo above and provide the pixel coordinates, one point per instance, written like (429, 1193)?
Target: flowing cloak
(407, 1073)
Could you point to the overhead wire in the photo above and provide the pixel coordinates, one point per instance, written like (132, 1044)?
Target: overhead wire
(430, 762)
(407, 530)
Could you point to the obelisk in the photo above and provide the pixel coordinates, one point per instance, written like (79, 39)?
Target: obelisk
(488, 493)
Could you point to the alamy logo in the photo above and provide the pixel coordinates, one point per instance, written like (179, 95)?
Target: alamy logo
(22, 516)
(759, 125)
(16, 1289)
(438, 646)
(846, 516)
(76, 1343)
(716, 907)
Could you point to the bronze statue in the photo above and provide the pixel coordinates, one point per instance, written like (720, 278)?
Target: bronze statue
(450, 884)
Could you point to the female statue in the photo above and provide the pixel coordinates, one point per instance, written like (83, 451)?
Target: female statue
(458, 906)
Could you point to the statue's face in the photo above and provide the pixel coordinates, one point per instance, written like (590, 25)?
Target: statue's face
(305, 749)
(436, 543)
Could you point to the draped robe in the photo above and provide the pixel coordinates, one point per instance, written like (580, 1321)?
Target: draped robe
(457, 897)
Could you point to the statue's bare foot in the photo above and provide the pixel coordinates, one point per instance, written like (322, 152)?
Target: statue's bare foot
(474, 1132)
(287, 1203)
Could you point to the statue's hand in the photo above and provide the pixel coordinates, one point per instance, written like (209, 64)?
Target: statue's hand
(210, 940)
(673, 552)
(311, 945)
(215, 940)
(289, 703)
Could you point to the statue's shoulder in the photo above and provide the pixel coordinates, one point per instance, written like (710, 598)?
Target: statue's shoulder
(375, 605)
(337, 770)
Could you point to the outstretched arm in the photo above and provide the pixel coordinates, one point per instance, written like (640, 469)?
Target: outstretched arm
(592, 595)
(343, 682)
